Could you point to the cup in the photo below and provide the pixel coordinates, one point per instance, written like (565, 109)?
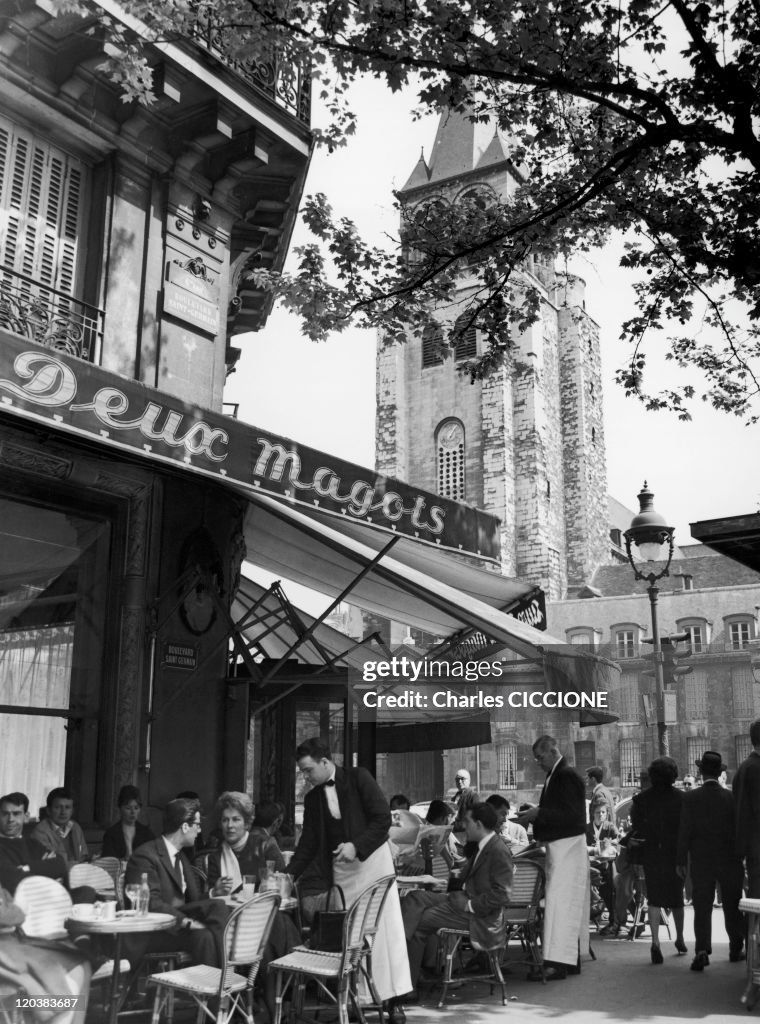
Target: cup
(108, 910)
(249, 886)
(83, 912)
(287, 856)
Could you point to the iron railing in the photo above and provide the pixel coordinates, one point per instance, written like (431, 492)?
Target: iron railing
(49, 317)
(288, 84)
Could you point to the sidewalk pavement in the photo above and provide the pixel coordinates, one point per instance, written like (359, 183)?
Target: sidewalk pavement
(621, 985)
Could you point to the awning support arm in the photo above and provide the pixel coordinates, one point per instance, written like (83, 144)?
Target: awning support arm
(341, 597)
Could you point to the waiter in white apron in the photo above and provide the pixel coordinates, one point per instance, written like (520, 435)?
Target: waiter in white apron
(345, 837)
(559, 823)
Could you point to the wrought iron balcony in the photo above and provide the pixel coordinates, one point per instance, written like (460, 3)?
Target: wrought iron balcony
(288, 84)
(48, 316)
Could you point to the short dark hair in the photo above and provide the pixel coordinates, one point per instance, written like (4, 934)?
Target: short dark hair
(17, 800)
(267, 813)
(498, 801)
(595, 773)
(399, 802)
(754, 733)
(663, 772)
(485, 813)
(438, 809)
(59, 793)
(545, 743)
(187, 794)
(127, 794)
(316, 748)
(179, 811)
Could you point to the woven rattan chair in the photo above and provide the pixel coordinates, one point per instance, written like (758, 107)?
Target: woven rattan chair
(344, 969)
(9, 1010)
(113, 867)
(524, 911)
(245, 936)
(95, 877)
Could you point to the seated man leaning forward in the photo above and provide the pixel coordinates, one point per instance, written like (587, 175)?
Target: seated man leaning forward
(478, 907)
(22, 855)
(176, 889)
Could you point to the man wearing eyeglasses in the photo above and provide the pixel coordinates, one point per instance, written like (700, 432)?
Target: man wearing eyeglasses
(176, 889)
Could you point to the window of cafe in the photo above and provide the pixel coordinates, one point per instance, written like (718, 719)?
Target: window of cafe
(54, 582)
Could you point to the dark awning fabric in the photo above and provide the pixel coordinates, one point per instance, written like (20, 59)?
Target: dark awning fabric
(438, 735)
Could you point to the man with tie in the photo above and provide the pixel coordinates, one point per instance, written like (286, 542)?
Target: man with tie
(559, 823)
(478, 907)
(176, 889)
(346, 820)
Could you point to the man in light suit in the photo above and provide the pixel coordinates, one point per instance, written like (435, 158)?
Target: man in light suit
(479, 906)
(707, 841)
(176, 889)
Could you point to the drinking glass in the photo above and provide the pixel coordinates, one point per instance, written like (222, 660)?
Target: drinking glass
(132, 892)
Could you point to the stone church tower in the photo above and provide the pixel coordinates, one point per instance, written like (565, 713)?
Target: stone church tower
(527, 443)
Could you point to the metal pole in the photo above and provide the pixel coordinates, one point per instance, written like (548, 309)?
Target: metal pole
(662, 729)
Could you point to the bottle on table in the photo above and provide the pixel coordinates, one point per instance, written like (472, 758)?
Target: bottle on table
(143, 896)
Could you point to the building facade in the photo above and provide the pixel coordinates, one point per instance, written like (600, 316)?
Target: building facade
(126, 237)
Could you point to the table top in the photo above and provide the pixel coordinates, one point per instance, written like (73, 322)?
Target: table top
(125, 921)
(286, 902)
(752, 906)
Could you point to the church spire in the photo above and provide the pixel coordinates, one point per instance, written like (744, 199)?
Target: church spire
(420, 175)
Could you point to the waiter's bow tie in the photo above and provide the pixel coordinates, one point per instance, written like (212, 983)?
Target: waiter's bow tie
(330, 782)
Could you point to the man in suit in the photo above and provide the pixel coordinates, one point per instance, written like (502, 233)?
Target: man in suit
(344, 841)
(22, 855)
(559, 822)
(59, 833)
(746, 789)
(599, 794)
(176, 889)
(486, 886)
(707, 839)
(464, 798)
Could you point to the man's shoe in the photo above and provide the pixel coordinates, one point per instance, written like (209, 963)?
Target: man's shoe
(737, 956)
(396, 1013)
(550, 974)
(700, 961)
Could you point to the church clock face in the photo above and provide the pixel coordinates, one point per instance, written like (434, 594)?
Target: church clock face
(451, 435)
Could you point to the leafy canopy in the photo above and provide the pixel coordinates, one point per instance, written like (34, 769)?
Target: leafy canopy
(632, 114)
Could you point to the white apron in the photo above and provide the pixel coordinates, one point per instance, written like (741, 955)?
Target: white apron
(568, 891)
(390, 965)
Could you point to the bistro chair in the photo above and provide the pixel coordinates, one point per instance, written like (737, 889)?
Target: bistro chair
(47, 905)
(9, 1011)
(451, 942)
(245, 936)
(94, 877)
(113, 868)
(524, 911)
(345, 968)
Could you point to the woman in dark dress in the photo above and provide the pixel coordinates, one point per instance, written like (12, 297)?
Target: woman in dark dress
(122, 838)
(655, 815)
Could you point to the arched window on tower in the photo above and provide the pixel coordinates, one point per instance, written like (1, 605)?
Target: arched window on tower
(449, 446)
(432, 346)
(466, 344)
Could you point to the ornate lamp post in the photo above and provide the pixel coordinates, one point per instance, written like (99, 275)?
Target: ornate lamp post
(653, 540)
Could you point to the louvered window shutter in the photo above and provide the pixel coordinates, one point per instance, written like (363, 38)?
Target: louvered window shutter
(41, 191)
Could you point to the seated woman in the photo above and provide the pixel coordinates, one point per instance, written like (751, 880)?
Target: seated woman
(246, 853)
(242, 852)
(127, 833)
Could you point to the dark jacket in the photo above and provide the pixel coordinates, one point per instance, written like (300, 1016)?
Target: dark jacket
(114, 844)
(708, 827)
(259, 848)
(562, 808)
(365, 814)
(746, 788)
(487, 882)
(656, 815)
(31, 853)
(166, 896)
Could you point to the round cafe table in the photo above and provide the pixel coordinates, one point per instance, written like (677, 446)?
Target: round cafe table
(751, 908)
(126, 922)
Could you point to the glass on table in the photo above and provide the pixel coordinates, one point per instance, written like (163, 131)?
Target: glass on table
(132, 891)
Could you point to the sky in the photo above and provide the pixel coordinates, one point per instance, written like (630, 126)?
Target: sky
(324, 394)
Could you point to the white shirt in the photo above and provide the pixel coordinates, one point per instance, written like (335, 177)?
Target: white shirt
(173, 854)
(333, 805)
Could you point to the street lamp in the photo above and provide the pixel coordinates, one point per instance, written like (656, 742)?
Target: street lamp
(653, 540)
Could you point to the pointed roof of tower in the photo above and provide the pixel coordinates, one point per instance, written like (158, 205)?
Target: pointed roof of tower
(420, 175)
(460, 146)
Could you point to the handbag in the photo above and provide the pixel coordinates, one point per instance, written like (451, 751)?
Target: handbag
(634, 844)
(327, 928)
